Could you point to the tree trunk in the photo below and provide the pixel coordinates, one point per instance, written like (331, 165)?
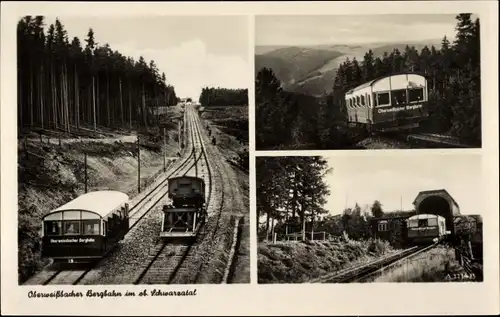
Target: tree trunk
(54, 97)
(144, 115)
(267, 224)
(93, 102)
(20, 100)
(77, 100)
(121, 99)
(41, 95)
(130, 105)
(98, 102)
(66, 94)
(107, 99)
(31, 93)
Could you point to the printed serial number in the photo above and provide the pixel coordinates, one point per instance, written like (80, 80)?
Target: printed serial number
(460, 276)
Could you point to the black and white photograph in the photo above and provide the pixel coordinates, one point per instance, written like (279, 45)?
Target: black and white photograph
(382, 81)
(133, 162)
(365, 219)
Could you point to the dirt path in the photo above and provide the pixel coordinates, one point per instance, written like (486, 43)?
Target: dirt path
(55, 140)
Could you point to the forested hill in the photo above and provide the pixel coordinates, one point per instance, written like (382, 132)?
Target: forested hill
(454, 80)
(66, 83)
(312, 69)
(223, 97)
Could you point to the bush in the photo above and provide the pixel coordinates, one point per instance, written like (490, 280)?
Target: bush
(378, 247)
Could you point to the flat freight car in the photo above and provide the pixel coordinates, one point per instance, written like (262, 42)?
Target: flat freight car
(391, 103)
(86, 228)
(187, 212)
(426, 228)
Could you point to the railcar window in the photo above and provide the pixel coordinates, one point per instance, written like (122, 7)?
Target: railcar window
(399, 96)
(71, 227)
(422, 222)
(358, 101)
(368, 100)
(52, 228)
(91, 227)
(412, 223)
(382, 226)
(363, 100)
(415, 95)
(432, 222)
(383, 98)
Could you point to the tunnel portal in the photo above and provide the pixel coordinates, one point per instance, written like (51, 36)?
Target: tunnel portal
(438, 202)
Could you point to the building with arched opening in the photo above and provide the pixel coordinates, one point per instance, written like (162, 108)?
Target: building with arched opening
(438, 202)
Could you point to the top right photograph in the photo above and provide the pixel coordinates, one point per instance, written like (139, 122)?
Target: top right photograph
(367, 82)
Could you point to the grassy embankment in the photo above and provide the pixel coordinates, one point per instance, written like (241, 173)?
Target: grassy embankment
(229, 126)
(299, 262)
(436, 265)
(51, 174)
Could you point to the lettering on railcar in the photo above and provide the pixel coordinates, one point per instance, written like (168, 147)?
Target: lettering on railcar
(73, 240)
(397, 109)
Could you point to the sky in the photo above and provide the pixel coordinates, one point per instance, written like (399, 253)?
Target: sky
(398, 179)
(350, 29)
(193, 51)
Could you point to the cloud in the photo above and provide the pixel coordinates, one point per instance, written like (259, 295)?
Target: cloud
(189, 67)
(309, 30)
(396, 181)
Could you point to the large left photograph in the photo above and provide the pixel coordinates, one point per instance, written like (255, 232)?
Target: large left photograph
(133, 150)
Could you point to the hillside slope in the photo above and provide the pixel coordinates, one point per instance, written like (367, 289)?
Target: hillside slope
(312, 69)
(299, 262)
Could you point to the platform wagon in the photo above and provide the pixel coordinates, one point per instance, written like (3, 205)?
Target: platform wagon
(186, 213)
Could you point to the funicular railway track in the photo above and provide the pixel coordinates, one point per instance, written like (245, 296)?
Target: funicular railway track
(168, 258)
(362, 272)
(144, 205)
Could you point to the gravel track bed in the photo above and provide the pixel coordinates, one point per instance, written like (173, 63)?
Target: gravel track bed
(164, 265)
(218, 246)
(213, 270)
(202, 248)
(235, 207)
(126, 263)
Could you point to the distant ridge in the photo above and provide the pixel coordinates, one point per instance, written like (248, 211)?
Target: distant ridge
(311, 69)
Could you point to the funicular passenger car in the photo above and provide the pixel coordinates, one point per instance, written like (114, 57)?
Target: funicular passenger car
(390, 103)
(426, 228)
(85, 228)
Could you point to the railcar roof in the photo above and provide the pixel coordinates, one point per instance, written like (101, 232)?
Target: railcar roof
(424, 216)
(371, 82)
(100, 202)
(189, 177)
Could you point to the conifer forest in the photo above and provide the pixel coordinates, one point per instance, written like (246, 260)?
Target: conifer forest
(71, 83)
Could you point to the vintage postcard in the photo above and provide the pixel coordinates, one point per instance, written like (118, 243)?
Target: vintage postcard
(202, 158)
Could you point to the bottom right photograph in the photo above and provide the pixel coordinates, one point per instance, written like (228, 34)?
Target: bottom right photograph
(366, 219)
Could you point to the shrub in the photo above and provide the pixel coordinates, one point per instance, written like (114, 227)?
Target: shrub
(378, 247)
